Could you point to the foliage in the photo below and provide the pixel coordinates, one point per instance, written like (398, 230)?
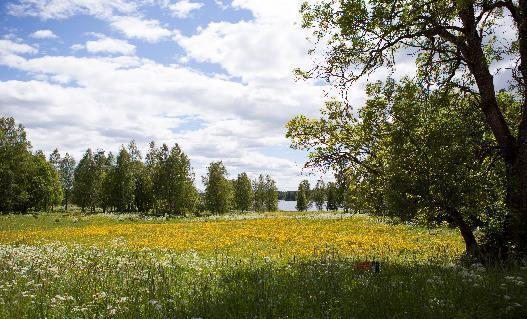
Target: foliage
(27, 180)
(421, 156)
(243, 193)
(271, 194)
(457, 44)
(332, 196)
(319, 195)
(67, 170)
(218, 189)
(303, 196)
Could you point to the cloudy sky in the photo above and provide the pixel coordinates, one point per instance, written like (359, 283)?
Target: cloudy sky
(214, 76)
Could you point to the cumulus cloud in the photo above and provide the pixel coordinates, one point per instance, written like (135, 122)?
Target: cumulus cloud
(266, 49)
(43, 34)
(10, 47)
(138, 28)
(110, 45)
(183, 8)
(62, 9)
(78, 102)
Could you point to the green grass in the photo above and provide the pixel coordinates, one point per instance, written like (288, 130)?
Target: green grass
(55, 280)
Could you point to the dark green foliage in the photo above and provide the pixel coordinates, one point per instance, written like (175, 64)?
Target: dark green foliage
(88, 178)
(259, 194)
(287, 195)
(420, 156)
(15, 167)
(457, 46)
(332, 196)
(172, 181)
(319, 195)
(303, 196)
(66, 174)
(271, 194)
(265, 194)
(124, 181)
(218, 189)
(27, 181)
(243, 192)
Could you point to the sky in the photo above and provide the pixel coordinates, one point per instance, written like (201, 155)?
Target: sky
(214, 76)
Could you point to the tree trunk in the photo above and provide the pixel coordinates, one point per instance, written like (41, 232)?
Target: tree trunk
(471, 246)
(513, 149)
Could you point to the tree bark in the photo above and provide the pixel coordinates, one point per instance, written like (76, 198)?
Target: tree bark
(514, 150)
(471, 245)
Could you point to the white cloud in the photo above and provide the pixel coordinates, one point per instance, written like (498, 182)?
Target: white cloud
(128, 97)
(43, 34)
(62, 9)
(110, 45)
(81, 102)
(134, 27)
(77, 47)
(263, 50)
(10, 47)
(183, 8)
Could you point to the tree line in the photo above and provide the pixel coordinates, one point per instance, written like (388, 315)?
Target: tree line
(162, 183)
(330, 196)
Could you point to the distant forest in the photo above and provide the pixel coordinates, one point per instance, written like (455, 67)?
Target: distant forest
(287, 195)
(161, 182)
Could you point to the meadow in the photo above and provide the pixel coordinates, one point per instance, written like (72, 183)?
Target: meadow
(273, 265)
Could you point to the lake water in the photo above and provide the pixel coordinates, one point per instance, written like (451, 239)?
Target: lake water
(289, 206)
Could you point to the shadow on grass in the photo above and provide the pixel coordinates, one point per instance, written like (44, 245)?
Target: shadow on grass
(328, 289)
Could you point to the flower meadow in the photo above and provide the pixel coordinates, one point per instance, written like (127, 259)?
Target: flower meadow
(253, 266)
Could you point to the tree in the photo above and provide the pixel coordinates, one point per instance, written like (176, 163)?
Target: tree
(173, 180)
(332, 196)
(271, 194)
(457, 43)
(67, 170)
(303, 201)
(218, 191)
(124, 181)
(411, 154)
(143, 187)
(259, 194)
(45, 190)
(15, 167)
(88, 180)
(319, 195)
(243, 193)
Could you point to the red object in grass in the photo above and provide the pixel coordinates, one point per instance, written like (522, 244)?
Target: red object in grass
(373, 266)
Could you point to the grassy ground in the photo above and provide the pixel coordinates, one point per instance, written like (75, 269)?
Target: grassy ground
(277, 265)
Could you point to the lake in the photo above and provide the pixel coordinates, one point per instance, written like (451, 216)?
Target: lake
(289, 206)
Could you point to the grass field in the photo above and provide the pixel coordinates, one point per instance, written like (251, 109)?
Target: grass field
(276, 265)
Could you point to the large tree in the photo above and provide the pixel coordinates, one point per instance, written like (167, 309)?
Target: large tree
(421, 156)
(457, 42)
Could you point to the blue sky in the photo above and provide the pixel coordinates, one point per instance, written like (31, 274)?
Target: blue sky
(213, 76)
